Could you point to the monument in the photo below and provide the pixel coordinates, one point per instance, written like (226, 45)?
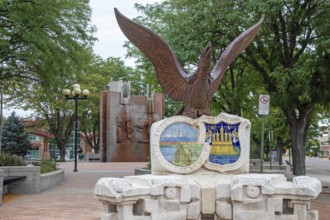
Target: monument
(200, 163)
(125, 123)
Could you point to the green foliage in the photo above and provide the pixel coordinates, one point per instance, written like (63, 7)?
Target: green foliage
(10, 160)
(43, 40)
(14, 138)
(148, 164)
(44, 46)
(48, 166)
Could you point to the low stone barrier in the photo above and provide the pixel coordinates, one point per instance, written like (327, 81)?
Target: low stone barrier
(282, 169)
(142, 171)
(48, 180)
(29, 185)
(35, 182)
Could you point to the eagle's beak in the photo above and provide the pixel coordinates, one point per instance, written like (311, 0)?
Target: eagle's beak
(207, 50)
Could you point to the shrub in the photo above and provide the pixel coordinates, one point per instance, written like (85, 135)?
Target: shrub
(148, 164)
(48, 166)
(10, 160)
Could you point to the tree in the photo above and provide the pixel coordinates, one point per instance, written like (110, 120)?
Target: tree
(49, 106)
(43, 41)
(14, 138)
(289, 58)
(96, 78)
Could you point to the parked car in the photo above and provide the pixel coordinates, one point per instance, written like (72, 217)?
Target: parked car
(30, 158)
(67, 158)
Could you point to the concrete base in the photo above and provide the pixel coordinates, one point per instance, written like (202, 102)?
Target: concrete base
(246, 196)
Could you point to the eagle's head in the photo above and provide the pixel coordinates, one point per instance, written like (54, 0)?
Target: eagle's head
(204, 65)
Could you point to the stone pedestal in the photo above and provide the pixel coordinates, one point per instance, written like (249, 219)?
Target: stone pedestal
(200, 171)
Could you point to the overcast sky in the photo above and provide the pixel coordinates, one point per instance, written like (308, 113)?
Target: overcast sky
(110, 38)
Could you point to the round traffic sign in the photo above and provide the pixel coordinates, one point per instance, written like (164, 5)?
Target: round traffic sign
(264, 99)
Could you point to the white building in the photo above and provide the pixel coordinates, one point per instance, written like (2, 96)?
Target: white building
(325, 143)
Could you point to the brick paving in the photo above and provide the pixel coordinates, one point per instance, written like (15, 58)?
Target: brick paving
(73, 197)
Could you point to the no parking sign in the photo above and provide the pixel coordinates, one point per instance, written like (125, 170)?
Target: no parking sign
(264, 104)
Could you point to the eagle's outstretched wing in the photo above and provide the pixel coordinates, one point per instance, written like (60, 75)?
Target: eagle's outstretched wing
(169, 72)
(231, 52)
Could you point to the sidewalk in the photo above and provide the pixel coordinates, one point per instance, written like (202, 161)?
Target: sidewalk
(73, 197)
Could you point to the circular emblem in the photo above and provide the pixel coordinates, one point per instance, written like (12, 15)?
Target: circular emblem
(181, 147)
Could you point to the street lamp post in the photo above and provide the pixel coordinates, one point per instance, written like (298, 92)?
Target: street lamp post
(76, 95)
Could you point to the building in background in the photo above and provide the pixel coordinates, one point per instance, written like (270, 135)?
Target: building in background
(40, 145)
(39, 138)
(325, 142)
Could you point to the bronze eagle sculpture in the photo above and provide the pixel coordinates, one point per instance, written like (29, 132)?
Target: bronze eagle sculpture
(195, 90)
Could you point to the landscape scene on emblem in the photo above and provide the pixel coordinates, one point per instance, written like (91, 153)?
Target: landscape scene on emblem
(178, 144)
(224, 141)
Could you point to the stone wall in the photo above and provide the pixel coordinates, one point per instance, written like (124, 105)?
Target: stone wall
(48, 180)
(34, 182)
(30, 185)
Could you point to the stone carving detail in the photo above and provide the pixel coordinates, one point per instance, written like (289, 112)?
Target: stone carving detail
(124, 128)
(252, 191)
(270, 196)
(248, 197)
(149, 197)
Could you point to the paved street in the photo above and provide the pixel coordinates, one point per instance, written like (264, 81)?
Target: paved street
(320, 168)
(73, 197)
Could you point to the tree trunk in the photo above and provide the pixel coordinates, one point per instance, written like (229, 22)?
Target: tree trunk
(279, 147)
(62, 153)
(299, 123)
(298, 150)
(62, 148)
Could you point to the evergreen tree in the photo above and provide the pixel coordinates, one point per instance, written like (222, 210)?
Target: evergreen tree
(14, 138)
